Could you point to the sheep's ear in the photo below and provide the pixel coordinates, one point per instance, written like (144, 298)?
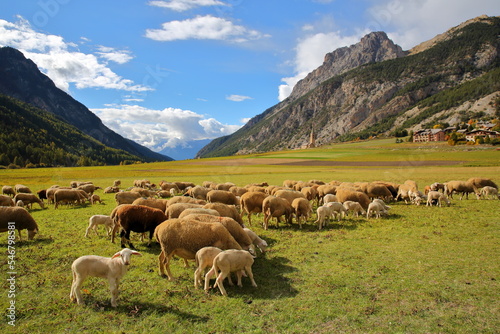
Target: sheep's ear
(117, 255)
(136, 253)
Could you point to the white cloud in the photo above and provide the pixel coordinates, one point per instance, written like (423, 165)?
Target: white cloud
(203, 27)
(238, 98)
(63, 63)
(183, 5)
(159, 129)
(310, 53)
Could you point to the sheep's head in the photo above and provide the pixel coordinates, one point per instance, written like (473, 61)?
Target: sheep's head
(31, 233)
(125, 255)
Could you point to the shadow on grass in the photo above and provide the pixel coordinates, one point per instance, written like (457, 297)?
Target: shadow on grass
(38, 240)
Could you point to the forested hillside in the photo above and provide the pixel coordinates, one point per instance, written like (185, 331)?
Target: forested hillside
(31, 137)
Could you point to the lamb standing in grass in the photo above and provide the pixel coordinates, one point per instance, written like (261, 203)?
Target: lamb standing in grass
(375, 208)
(112, 269)
(489, 192)
(229, 261)
(256, 241)
(204, 258)
(354, 207)
(100, 220)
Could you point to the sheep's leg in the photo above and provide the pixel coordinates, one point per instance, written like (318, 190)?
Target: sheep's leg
(219, 282)
(249, 272)
(115, 229)
(113, 287)
(197, 275)
(208, 276)
(161, 261)
(76, 288)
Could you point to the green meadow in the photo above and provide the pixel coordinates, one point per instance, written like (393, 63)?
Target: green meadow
(419, 270)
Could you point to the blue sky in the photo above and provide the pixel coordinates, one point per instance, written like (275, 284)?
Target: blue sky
(167, 73)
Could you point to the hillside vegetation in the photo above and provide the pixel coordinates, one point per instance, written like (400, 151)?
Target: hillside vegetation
(31, 137)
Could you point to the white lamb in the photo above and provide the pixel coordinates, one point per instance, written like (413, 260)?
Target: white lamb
(323, 213)
(338, 209)
(228, 261)
(354, 207)
(375, 208)
(256, 241)
(437, 196)
(100, 220)
(488, 192)
(204, 258)
(112, 269)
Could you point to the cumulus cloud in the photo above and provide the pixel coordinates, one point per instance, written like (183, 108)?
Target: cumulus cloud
(238, 98)
(203, 27)
(309, 54)
(183, 5)
(63, 63)
(159, 129)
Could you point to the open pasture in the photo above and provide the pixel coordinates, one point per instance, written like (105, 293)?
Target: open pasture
(419, 270)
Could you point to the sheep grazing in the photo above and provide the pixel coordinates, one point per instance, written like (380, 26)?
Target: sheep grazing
(136, 218)
(229, 261)
(436, 186)
(20, 188)
(96, 220)
(329, 198)
(94, 199)
(68, 196)
(256, 241)
(302, 209)
(478, 182)
(375, 190)
(276, 207)
(6, 201)
(488, 192)
(375, 208)
(354, 207)
(126, 197)
(204, 258)
(198, 192)
(17, 218)
(183, 237)
(346, 194)
(437, 196)
(222, 196)
(225, 210)
(8, 190)
(28, 200)
(251, 202)
(462, 187)
(112, 269)
(323, 213)
(289, 195)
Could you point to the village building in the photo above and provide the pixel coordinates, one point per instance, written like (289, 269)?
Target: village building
(427, 135)
(474, 134)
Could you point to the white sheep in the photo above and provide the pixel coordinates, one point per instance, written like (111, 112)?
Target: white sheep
(437, 196)
(256, 241)
(375, 208)
(488, 192)
(378, 200)
(100, 220)
(112, 269)
(228, 261)
(354, 207)
(338, 209)
(323, 213)
(204, 258)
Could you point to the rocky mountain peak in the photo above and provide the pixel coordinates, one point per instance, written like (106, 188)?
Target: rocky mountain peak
(373, 47)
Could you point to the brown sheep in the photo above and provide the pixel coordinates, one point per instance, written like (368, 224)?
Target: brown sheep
(126, 197)
(326, 189)
(174, 210)
(251, 202)
(224, 186)
(378, 191)
(238, 191)
(462, 187)
(289, 195)
(344, 194)
(198, 211)
(17, 218)
(184, 238)
(136, 218)
(94, 199)
(159, 204)
(232, 226)
(310, 193)
(276, 207)
(185, 199)
(302, 208)
(413, 185)
(29, 199)
(143, 192)
(222, 196)
(478, 183)
(167, 186)
(8, 190)
(20, 188)
(6, 201)
(225, 211)
(68, 196)
(256, 189)
(198, 192)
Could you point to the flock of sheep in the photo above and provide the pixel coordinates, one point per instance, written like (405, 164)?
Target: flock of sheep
(205, 222)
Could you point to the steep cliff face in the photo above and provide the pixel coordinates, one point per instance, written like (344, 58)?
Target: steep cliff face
(374, 47)
(403, 92)
(21, 79)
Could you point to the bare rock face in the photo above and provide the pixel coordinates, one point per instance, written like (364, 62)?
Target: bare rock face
(374, 47)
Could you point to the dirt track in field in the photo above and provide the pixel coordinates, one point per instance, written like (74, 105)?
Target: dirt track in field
(323, 163)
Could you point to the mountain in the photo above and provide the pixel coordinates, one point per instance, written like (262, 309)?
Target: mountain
(32, 137)
(374, 88)
(21, 79)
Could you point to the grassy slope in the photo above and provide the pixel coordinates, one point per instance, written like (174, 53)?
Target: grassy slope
(420, 270)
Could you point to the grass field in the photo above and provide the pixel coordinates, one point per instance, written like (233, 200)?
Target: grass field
(419, 270)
